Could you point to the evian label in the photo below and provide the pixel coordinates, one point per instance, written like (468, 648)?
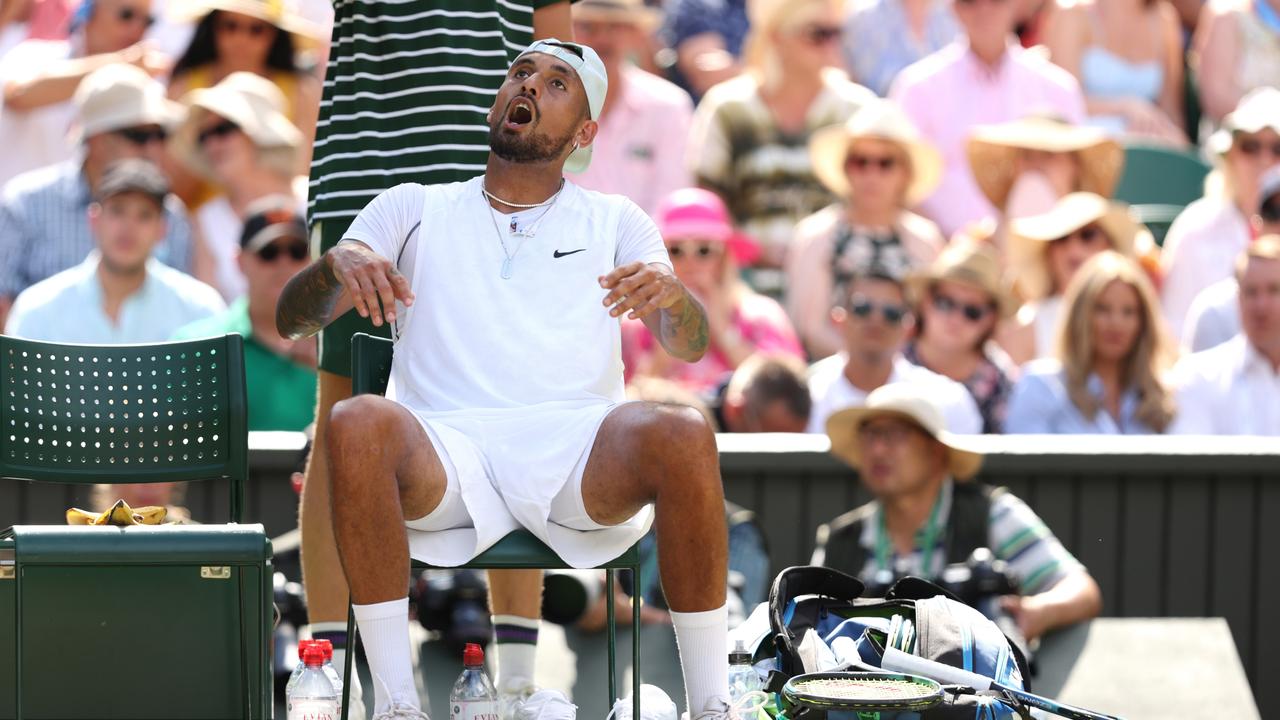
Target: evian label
(314, 710)
(473, 710)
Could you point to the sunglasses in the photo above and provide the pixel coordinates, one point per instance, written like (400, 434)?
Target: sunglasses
(222, 129)
(946, 304)
(1270, 210)
(891, 433)
(822, 34)
(255, 28)
(132, 15)
(1254, 147)
(297, 251)
(862, 163)
(142, 136)
(971, 3)
(699, 250)
(1087, 235)
(863, 308)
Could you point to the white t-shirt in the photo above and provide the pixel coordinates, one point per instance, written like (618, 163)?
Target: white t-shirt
(34, 138)
(831, 391)
(474, 340)
(1230, 389)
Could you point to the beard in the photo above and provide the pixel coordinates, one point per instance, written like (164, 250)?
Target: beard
(530, 147)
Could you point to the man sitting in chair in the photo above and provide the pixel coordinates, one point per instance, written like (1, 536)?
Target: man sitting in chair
(506, 406)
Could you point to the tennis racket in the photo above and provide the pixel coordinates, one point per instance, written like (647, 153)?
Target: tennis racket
(862, 691)
(899, 661)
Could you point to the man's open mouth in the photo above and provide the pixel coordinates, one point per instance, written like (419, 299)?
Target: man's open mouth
(520, 113)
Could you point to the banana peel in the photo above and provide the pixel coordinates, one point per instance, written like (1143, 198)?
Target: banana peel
(119, 514)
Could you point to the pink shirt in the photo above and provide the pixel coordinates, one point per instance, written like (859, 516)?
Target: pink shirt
(760, 321)
(639, 149)
(951, 91)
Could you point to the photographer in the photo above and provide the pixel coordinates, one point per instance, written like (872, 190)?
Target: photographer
(927, 514)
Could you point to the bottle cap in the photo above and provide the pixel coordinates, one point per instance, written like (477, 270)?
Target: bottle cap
(313, 656)
(472, 655)
(740, 655)
(326, 646)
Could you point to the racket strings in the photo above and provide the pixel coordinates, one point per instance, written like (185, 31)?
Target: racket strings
(865, 688)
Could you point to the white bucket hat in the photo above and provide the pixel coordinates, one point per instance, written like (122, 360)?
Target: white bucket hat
(1258, 110)
(120, 96)
(908, 402)
(590, 69)
(252, 102)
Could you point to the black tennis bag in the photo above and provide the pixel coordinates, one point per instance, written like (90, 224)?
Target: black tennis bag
(914, 615)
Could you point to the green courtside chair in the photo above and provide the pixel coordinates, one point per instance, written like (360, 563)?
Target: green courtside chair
(159, 622)
(370, 370)
(1158, 182)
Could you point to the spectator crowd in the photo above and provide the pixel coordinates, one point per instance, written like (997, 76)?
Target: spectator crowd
(859, 193)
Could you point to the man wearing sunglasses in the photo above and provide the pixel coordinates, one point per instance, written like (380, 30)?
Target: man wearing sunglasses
(281, 374)
(44, 215)
(120, 294)
(39, 77)
(874, 320)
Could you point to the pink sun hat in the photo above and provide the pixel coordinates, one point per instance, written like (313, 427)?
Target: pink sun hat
(701, 214)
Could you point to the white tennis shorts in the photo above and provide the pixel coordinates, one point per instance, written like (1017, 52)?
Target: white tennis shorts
(514, 468)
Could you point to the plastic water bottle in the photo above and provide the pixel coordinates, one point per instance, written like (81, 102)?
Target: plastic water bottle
(743, 677)
(297, 670)
(473, 696)
(313, 697)
(330, 671)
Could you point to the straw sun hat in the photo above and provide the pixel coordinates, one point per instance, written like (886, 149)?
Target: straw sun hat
(907, 402)
(877, 120)
(250, 101)
(120, 96)
(993, 154)
(279, 13)
(966, 261)
(1030, 235)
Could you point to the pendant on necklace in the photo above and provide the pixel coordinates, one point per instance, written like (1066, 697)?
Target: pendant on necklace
(506, 269)
(514, 223)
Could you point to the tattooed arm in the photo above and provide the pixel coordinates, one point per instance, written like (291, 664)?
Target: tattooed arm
(348, 275)
(653, 294)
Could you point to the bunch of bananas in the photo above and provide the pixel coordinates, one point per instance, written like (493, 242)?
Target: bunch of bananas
(119, 514)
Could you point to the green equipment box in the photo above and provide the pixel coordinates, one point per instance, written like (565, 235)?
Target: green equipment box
(162, 622)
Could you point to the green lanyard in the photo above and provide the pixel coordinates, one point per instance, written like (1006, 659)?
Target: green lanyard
(930, 536)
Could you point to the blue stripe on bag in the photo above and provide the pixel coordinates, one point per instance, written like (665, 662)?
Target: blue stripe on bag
(966, 644)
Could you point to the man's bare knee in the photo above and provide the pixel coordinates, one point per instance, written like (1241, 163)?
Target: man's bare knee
(363, 423)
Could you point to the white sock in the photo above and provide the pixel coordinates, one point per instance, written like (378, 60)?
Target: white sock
(384, 630)
(512, 635)
(704, 658)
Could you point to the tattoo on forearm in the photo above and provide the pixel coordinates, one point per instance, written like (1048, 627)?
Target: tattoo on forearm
(307, 301)
(684, 329)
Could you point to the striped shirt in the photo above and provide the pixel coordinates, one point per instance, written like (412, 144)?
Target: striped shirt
(1015, 534)
(44, 227)
(406, 92)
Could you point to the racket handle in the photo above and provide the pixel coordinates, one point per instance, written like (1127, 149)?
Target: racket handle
(899, 661)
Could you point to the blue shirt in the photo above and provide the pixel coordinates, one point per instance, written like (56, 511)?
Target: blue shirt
(879, 42)
(67, 308)
(44, 227)
(1040, 405)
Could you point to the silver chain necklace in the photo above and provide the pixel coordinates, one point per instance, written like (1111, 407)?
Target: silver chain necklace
(522, 206)
(525, 234)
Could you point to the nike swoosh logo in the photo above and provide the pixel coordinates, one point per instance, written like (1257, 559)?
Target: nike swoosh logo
(559, 254)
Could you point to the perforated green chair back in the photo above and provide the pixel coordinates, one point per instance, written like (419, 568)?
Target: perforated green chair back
(1155, 175)
(91, 414)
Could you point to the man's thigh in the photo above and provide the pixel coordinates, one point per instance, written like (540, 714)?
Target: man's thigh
(367, 429)
(634, 446)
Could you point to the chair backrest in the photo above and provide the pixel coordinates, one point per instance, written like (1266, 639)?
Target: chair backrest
(1156, 175)
(91, 414)
(370, 364)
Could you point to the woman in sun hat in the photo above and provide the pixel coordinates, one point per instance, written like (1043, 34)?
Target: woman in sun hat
(1112, 352)
(1046, 250)
(258, 36)
(960, 300)
(1211, 232)
(1024, 166)
(879, 166)
(236, 137)
(706, 252)
(749, 139)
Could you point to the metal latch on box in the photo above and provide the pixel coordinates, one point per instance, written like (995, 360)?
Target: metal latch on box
(8, 565)
(215, 572)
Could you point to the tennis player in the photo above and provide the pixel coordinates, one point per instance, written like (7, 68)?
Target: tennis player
(506, 405)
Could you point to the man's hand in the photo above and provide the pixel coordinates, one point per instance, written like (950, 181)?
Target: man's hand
(641, 289)
(679, 323)
(372, 282)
